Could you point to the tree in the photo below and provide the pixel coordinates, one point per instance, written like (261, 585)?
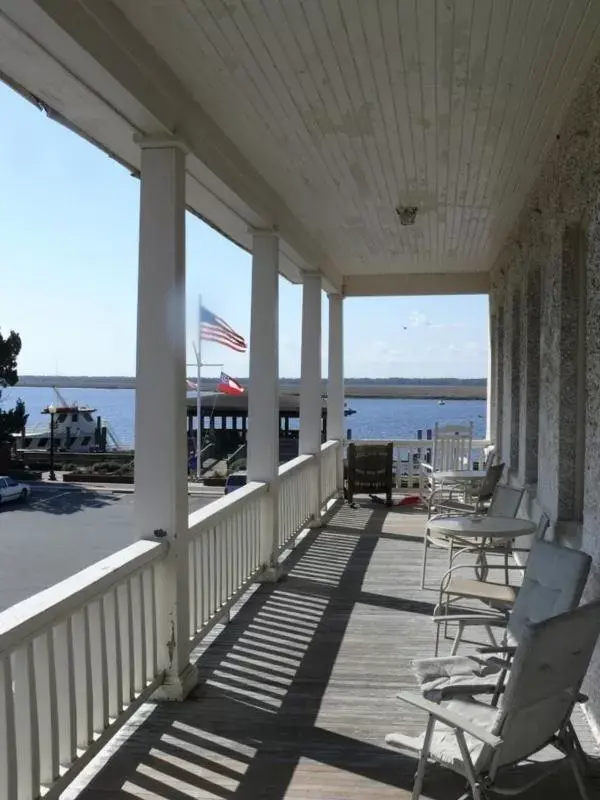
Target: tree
(12, 420)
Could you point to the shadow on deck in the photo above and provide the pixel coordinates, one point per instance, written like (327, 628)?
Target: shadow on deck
(298, 691)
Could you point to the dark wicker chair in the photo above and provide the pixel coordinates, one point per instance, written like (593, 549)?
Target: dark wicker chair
(370, 470)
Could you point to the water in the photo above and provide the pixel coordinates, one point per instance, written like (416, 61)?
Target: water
(375, 418)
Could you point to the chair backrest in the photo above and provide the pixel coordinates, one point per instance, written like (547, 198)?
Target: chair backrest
(544, 682)
(543, 525)
(452, 447)
(552, 584)
(490, 456)
(370, 467)
(493, 474)
(505, 501)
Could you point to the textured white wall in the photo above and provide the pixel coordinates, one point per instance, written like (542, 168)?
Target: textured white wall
(540, 260)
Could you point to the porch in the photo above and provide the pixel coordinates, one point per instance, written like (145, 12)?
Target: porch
(411, 148)
(297, 691)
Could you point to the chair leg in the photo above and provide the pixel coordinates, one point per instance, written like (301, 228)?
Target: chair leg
(420, 775)
(457, 639)
(577, 774)
(476, 791)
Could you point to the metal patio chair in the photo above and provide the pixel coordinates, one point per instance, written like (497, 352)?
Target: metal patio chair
(505, 502)
(552, 584)
(446, 502)
(500, 596)
(482, 742)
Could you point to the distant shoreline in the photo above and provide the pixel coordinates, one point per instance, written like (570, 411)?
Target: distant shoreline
(421, 388)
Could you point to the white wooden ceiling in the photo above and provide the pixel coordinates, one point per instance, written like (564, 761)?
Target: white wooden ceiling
(348, 108)
(322, 116)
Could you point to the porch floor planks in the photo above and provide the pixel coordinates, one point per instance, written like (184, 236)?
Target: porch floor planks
(298, 691)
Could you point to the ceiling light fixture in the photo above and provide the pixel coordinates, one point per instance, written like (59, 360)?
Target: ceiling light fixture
(407, 214)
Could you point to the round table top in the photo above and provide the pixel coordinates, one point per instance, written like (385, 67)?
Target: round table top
(486, 526)
(460, 475)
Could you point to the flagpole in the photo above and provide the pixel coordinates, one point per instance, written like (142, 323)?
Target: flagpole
(198, 394)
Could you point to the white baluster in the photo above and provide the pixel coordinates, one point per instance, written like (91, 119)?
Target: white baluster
(26, 723)
(83, 678)
(136, 632)
(47, 703)
(144, 632)
(113, 677)
(8, 736)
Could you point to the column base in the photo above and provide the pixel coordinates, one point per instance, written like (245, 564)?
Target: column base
(271, 574)
(177, 687)
(315, 522)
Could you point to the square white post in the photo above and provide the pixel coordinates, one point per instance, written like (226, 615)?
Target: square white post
(310, 380)
(263, 390)
(335, 380)
(490, 415)
(161, 506)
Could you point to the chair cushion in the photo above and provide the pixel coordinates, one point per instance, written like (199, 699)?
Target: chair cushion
(483, 590)
(444, 747)
(452, 676)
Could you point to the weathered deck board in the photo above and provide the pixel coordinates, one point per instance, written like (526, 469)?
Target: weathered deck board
(298, 691)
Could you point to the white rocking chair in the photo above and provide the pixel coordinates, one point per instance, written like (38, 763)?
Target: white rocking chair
(451, 449)
(481, 742)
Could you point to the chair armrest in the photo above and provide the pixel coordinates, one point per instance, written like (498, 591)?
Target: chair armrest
(451, 718)
(471, 619)
(508, 650)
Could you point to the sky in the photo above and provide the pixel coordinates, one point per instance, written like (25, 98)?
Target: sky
(68, 261)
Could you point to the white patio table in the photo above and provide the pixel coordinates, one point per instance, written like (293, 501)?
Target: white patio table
(459, 476)
(477, 526)
(467, 479)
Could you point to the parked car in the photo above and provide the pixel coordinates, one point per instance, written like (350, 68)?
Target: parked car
(12, 490)
(235, 480)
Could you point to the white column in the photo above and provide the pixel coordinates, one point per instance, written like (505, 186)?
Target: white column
(310, 380)
(263, 390)
(335, 379)
(490, 390)
(160, 430)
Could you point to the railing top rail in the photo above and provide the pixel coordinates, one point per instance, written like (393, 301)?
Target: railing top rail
(329, 444)
(28, 618)
(212, 514)
(414, 442)
(294, 465)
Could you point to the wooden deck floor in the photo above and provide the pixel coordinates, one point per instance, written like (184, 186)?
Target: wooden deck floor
(298, 691)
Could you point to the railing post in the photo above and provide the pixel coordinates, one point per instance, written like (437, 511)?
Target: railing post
(160, 435)
(311, 404)
(263, 392)
(335, 381)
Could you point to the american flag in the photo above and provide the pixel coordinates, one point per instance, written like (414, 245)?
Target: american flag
(215, 329)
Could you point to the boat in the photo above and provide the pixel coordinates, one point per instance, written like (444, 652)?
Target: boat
(76, 430)
(441, 402)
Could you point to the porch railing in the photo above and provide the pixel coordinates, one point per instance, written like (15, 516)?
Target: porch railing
(297, 487)
(409, 453)
(77, 659)
(223, 554)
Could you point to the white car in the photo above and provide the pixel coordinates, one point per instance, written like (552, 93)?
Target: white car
(12, 490)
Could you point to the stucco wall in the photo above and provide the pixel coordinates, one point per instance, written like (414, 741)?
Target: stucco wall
(567, 193)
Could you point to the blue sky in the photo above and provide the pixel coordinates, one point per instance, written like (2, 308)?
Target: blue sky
(68, 259)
